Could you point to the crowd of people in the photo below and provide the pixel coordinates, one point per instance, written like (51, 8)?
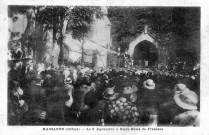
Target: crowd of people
(43, 95)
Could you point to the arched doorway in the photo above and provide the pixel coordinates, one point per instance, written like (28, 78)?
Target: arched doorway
(145, 54)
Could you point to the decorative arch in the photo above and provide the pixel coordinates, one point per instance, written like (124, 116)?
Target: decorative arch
(145, 36)
(145, 51)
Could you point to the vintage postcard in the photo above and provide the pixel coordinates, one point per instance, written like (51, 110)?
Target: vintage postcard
(104, 67)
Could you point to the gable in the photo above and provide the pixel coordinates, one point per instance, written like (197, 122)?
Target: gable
(144, 36)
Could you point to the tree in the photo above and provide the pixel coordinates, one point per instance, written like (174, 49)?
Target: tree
(78, 20)
(175, 28)
(129, 22)
(13, 12)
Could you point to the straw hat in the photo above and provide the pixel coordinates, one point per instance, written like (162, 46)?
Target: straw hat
(186, 100)
(110, 94)
(180, 87)
(149, 84)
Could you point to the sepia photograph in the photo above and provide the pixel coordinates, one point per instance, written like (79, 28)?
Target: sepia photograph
(100, 66)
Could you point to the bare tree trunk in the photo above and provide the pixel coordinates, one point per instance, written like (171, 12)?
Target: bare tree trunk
(60, 42)
(82, 55)
(61, 39)
(61, 55)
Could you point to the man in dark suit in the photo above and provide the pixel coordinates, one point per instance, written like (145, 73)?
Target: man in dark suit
(36, 99)
(37, 93)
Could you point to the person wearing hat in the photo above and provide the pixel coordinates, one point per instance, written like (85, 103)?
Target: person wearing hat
(182, 103)
(148, 103)
(149, 84)
(80, 94)
(48, 84)
(88, 113)
(60, 102)
(180, 88)
(108, 96)
(15, 72)
(122, 110)
(187, 100)
(17, 107)
(36, 100)
(37, 92)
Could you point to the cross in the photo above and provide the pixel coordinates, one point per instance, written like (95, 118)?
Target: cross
(145, 29)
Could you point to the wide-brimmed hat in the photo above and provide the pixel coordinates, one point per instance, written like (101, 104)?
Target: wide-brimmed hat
(149, 84)
(180, 87)
(186, 100)
(110, 94)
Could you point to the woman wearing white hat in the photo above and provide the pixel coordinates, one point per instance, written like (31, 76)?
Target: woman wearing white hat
(149, 84)
(181, 110)
(148, 102)
(187, 100)
(122, 110)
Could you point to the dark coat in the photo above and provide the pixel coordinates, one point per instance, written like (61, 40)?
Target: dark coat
(14, 75)
(56, 108)
(148, 100)
(37, 96)
(91, 115)
(57, 100)
(167, 111)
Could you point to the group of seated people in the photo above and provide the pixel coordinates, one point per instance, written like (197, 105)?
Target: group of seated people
(58, 97)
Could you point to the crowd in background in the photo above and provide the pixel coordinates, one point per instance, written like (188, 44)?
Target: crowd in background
(42, 95)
